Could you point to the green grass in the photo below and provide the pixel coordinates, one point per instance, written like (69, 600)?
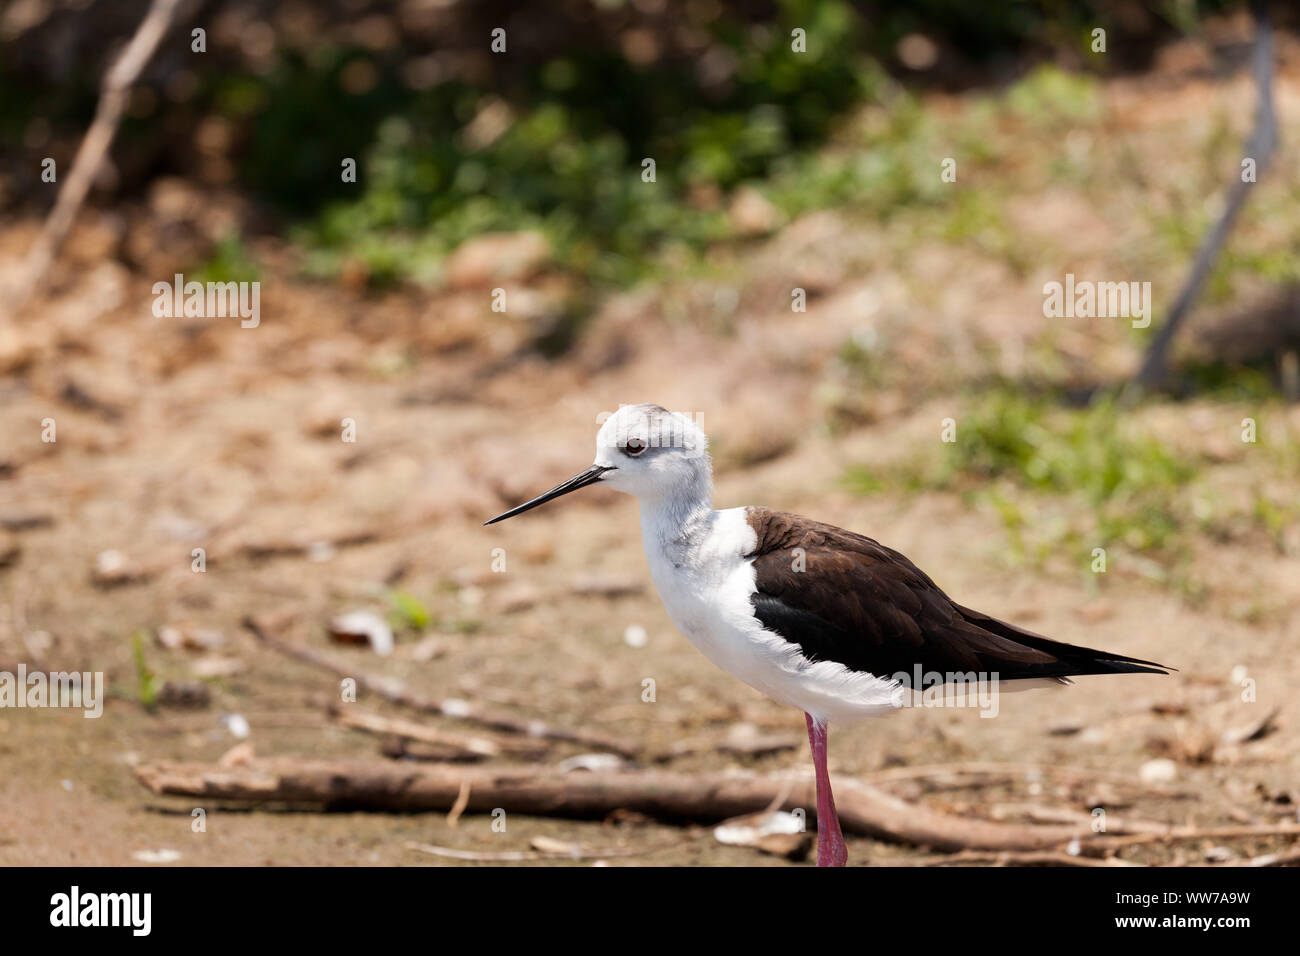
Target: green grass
(407, 612)
(1050, 98)
(1116, 482)
(1089, 451)
(568, 159)
(231, 261)
(147, 682)
(1064, 480)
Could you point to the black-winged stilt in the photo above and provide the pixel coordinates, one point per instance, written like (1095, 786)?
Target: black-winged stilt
(812, 615)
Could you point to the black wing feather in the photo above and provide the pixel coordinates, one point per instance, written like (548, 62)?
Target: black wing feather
(845, 597)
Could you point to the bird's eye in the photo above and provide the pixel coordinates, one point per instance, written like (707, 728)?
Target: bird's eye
(634, 446)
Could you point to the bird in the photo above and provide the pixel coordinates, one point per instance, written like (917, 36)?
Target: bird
(809, 614)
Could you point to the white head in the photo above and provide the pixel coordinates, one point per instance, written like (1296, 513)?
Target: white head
(645, 451)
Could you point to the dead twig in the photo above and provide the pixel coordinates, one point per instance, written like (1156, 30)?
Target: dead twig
(1257, 730)
(396, 691)
(1290, 858)
(759, 745)
(459, 746)
(114, 92)
(1011, 859)
(538, 856)
(262, 549)
(1109, 843)
(989, 769)
(457, 808)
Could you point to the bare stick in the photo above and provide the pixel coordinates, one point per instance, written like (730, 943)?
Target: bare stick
(1290, 858)
(1261, 146)
(1007, 858)
(537, 856)
(462, 746)
(989, 769)
(395, 690)
(457, 808)
(108, 115)
(385, 786)
(1109, 843)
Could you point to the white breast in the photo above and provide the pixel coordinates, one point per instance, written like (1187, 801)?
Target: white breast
(706, 582)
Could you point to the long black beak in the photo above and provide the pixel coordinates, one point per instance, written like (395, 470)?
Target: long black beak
(588, 477)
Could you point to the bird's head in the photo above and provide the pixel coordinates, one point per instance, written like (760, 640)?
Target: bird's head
(642, 450)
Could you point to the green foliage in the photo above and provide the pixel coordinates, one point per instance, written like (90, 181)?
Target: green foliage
(1230, 382)
(1089, 450)
(407, 611)
(1051, 97)
(145, 678)
(230, 261)
(569, 160)
(301, 124)
(1122, 482)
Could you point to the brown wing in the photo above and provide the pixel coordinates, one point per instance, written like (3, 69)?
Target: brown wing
(844, 597)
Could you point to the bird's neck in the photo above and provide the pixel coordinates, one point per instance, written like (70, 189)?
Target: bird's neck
(680, 516)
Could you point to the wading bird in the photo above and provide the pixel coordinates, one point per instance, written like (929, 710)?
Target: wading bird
(813, 616)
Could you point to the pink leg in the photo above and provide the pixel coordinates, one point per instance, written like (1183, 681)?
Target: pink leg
(831, 850)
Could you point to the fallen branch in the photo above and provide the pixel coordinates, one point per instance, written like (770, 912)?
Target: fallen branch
(392, 689)
(1290, 858)
(399, 748)
(1109, 843)
(759, 745)
(538, 856)
(114, 92)
(989, 769)
(261, 549)
(384, 786)
(1033, 858)
(25, 522)
(457, 745)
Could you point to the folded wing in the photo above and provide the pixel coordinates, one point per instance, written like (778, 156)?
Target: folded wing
(845, 597)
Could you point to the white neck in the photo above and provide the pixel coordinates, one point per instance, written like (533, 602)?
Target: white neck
(679, 515)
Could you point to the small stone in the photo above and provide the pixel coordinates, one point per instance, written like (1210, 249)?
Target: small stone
(592, 762)
(237, 755)
(185, 695)
(182, 637)
(210, 667)
(751, 214)
(1160, 770)
(156, 856)
(114, 568)
(497, 257)
(519, 597)
(363, 627)
(427, 649)
(237, 724)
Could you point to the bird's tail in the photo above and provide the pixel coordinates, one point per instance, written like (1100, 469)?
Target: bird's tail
(1069, 660)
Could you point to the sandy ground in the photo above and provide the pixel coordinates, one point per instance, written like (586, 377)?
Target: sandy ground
(175, 435)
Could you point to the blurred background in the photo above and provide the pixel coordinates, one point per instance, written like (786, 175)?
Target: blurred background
(439, 333)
